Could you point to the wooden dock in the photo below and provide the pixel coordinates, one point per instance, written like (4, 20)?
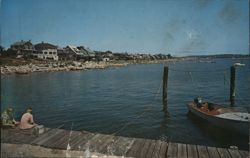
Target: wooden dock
(115, 145)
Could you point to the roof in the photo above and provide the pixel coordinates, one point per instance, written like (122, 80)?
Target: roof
(87, 51)
(20, 43)
(81, 51)
(73, 48)
(44, 46)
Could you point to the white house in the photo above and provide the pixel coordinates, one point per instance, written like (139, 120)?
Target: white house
(48, 54)
(46, 51)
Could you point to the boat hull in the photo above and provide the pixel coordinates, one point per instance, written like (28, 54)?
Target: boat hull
(233, 125)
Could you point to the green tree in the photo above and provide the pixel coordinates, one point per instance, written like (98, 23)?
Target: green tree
(169, 56)
(1, 48)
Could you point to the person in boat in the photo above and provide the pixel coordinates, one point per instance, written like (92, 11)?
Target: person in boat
(7, 118)
(198, 102)
(27, 121)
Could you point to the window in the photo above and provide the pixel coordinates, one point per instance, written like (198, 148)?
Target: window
(50, 52)
(45, 52)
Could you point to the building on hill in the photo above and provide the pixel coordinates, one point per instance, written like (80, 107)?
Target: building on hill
(64, 55)
(87, 54)
(46, 51)
(23, 48)
(79, 53)
(72, 52)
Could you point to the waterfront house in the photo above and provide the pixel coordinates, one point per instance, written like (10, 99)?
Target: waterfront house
(79, 53)
(122, 56)
(72, 52)
(87, 54)
(64, 55)
(46, 51)
(23, 48)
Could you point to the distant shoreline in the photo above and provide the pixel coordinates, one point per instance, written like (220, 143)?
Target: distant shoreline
(52, 66)
(27, 66)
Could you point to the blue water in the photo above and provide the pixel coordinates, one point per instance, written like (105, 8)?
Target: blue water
(127, 101)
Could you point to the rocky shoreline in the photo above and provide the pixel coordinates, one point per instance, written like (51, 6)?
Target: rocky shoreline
(68, 66)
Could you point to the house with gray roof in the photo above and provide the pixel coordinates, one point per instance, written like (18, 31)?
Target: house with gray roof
(24, 48)
(46, 51)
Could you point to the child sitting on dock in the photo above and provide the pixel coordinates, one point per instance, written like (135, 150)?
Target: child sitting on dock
(8, 119)
(27, 121)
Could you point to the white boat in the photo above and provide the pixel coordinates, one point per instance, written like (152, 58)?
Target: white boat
(239, 64)
(227, 118)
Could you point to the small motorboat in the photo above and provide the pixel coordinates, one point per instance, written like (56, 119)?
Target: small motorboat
(239, 64)
(227, 118)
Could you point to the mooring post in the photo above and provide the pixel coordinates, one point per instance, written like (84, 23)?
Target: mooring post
(165, 89)
(232, 85)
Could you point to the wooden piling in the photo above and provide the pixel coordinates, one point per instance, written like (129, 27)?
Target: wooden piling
(232, 85)
(165, 89)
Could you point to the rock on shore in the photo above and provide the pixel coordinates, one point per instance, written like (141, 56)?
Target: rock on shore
(25, 69)
(71, 66)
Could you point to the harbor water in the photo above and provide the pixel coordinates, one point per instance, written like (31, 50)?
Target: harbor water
(127, 101)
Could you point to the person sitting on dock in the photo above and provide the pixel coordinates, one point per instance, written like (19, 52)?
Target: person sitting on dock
(8, 119)
(27, 121)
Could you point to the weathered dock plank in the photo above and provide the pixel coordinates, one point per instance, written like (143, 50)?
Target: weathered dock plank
(202, 151)
(136, 146)
(212, 151)
(122, 146)
(68, 139)
(182, 150)
(59, 140)
(172, 150)
(163, 150)
(223, 153)
(192, 151)
(82, 141)
(157, 149)
(108, 143)
(17, 136)
(144, 149)
(244, 154)
(44, 136)
(151, 149)
(97, 141)
(54, 140)
(116, 145)
(5, 137)
(108, 147)
(92, 142)
(24, 137)
(74, 137)
(50, 136)
(234, 153)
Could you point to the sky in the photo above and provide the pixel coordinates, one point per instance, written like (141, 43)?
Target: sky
(178, 27)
